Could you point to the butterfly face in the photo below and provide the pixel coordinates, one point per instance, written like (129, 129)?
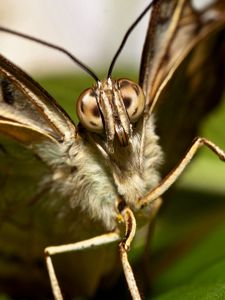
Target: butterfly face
(111, 107)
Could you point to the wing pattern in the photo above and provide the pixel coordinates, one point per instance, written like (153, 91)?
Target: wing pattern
(182, 70)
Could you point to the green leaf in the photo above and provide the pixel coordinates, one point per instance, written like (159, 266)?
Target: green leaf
(206, 285)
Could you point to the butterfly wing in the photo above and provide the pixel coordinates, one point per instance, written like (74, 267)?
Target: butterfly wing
(20, 173)
(177, 60)
(29, 119)
(37, 118)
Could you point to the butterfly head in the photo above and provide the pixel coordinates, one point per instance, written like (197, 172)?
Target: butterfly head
(110, 108)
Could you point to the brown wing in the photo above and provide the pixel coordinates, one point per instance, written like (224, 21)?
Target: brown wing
(183, 69)
(164, 20)
(27, 111)
(28, 117)
(175, 28)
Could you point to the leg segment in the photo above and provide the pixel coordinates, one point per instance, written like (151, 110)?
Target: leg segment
(124, 246)
(79, 246)
(175, 173)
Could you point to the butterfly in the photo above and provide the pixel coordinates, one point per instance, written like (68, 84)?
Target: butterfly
(97, 182)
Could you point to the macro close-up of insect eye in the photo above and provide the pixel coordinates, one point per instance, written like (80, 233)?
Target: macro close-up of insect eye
(112, 178)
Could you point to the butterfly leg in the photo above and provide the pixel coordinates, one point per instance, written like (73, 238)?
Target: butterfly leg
(124, 247)
(78, 246)
(175, 173)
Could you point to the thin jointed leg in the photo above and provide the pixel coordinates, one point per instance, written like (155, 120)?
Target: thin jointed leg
(79, 246)
(175, 173)
(124, 246)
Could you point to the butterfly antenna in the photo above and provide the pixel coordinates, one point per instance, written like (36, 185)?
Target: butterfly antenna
(127, 34)
(50, 45)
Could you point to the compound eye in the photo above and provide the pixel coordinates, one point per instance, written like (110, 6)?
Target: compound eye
(133, 98)
(88, 111)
